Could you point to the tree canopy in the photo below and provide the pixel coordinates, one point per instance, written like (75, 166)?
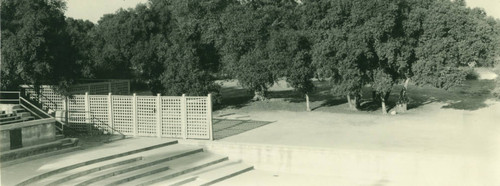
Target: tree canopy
(36, 48)
(183, 46)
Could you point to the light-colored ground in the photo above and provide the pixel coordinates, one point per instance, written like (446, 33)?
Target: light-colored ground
(444, 142)
(432, 144)
(425, 129)
(17, 173)
(265, 178)
(428, 145)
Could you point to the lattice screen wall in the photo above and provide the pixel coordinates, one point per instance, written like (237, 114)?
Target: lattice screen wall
(160, 116)
(171, 117)
(120, 87)
(98, 111)
(117, 87)
(50, 99)
(196, 117)
(146, 115)
(78, 89)
(77, 116)
(122, 114)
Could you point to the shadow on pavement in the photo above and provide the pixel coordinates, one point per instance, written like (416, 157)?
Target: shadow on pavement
(224, 128)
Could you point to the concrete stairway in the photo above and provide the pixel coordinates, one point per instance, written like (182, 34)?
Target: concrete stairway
(18, 114)
(168, 164)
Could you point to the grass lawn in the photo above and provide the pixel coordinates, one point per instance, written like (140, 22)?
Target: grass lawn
(469, 96)
(472, 95)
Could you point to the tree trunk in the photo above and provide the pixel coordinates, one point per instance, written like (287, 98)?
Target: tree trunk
(307, 103)
(383, 99)
(353, 103)
(387, 95)
(405, 104)
(384, 109)
(403, 98)
(406, 83)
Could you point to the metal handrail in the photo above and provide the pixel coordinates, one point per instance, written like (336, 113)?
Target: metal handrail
(40, 110)
(40, 94)
(97, 119)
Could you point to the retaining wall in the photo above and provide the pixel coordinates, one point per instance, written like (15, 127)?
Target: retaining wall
(364, 167)
(33, 132)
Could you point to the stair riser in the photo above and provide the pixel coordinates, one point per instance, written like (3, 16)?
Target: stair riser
(104, 167)
(156, 171)
(173, 175)
(63, 169)
(130, 169)
(127, 179)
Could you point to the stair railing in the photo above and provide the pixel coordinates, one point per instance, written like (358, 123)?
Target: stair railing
(39, 112)
(39, 94)
(97, 123)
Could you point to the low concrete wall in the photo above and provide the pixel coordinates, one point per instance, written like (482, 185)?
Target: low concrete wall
(33, 132)
(364, 166)
(4, 141)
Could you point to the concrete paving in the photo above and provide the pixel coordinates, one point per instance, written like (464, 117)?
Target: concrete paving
(17, 173)
(427, 146)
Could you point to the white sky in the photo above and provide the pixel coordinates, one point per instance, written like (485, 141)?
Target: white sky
(93, 10)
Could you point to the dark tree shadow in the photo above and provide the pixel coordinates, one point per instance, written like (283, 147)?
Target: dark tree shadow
(234, 98)
(369, 106)
(331, 103)
(469, 96)
(223, 128)
(472, 95)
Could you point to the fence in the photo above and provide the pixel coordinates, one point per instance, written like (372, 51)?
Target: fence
(50, 99)
(184, 117)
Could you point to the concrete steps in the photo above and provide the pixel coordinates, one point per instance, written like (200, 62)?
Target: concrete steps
(96, 159)
(222, 173)
(179, 168)
(209, 175)
(143, 162)
(17, 114)
(173, 164)
(171, 169)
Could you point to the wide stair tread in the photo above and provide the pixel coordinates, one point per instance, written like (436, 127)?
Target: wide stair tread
(147, 160)
(177, 168)
(169, 151)
(97, 156)
(171, 168)
(210, 175)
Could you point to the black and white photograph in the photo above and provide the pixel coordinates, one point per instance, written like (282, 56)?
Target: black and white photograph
(250, 92)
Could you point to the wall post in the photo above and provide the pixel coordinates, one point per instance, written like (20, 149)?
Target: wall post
(209, 117)
(158, 115)
(134, 113)
(110, 112)
(87, 111)
(183, 117)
